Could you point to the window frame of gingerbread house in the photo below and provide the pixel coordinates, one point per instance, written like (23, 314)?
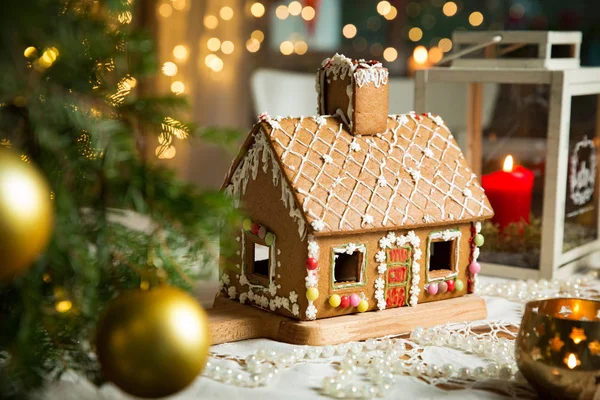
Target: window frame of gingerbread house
(563, 84)
(256, 279)
(447, 235)
(362, 265)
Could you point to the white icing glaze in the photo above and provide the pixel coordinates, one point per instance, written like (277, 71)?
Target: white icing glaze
(371, 74)
(350, 248)
(361, 73)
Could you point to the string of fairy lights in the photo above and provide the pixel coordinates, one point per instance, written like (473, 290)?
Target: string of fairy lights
(296, 44)
(220, 41)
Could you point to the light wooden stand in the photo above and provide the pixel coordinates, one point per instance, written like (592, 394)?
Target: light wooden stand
(231, 321)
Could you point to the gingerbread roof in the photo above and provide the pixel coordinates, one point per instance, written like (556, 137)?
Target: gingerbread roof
(412, 175)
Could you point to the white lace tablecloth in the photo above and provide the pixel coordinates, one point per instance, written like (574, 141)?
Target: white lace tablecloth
(304, 380)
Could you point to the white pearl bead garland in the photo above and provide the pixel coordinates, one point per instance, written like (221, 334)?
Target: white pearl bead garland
(376, 361)
(379, 361)
(524, 291)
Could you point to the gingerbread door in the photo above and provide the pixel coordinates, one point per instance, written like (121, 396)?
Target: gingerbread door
(398, 276)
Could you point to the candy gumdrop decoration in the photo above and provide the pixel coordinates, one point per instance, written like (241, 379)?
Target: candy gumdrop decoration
(432, 289)
(474, 267)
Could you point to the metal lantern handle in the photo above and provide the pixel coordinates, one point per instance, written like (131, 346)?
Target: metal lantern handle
(495, 40)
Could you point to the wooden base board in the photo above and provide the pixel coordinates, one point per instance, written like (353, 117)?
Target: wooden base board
(231, 321)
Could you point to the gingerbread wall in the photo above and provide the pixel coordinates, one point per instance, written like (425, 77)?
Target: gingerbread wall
(262, 203)
(373, 246)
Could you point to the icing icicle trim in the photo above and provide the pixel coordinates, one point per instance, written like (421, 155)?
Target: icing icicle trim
(248, 166)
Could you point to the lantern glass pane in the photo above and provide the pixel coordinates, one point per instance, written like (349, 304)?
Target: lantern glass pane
(581, 202)
(516, 128)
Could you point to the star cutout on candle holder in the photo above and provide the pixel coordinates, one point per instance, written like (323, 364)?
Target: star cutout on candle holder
(594, 347)
(556, 344)
(540, 329)
(577, 335)
(536, 354)
(535, 309)
(565, 311)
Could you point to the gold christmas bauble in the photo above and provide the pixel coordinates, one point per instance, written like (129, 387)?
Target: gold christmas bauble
(153, 343)
(26, 214)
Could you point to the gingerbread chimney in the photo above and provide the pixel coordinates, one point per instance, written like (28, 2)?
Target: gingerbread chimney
(357, 91)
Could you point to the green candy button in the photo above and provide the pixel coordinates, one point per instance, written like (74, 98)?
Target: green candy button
(247, 224)
(269, 239)
(459, 285)
(479, 240)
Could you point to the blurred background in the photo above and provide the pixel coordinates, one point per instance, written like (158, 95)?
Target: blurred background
(237, 58)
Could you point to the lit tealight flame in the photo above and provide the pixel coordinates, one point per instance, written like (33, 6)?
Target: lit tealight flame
(572, 361)
(508, 164)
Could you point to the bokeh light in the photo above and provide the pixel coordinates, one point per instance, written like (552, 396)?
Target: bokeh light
(166, 154)
(30, 52)
(282, 12)
(252, 45)
(349, 31)
(476, 18)
(450, 9)
(226, 13)
(435, 54)
(211, 22)
(165, 10)
(415, 34)
(295, 8)
(390, 54)
(308, 13)
(445, 45)
(257, 10)
(227, 47)
(384, 7)
(420, 55)
(180, 52)
(177, 87)
(179, 5)
(213, 44)
(286, 48)
(258, 35)
(300, 47)
(169, 68)
(392, 14)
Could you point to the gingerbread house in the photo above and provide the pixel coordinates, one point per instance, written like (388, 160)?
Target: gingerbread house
(352, 210)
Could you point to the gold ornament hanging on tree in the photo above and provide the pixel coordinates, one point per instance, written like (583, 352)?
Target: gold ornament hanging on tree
(26, 214)
(153, 343)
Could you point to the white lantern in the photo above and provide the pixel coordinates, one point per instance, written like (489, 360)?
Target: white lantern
(542, 109)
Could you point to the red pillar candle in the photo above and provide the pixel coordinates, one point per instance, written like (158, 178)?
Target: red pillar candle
(509, 192)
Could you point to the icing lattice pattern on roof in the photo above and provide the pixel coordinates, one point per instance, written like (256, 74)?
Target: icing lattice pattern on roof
(414, 174)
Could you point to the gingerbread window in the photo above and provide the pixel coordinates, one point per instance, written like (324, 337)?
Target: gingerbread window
(442, 254)
(259, 254)
(348, 266)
